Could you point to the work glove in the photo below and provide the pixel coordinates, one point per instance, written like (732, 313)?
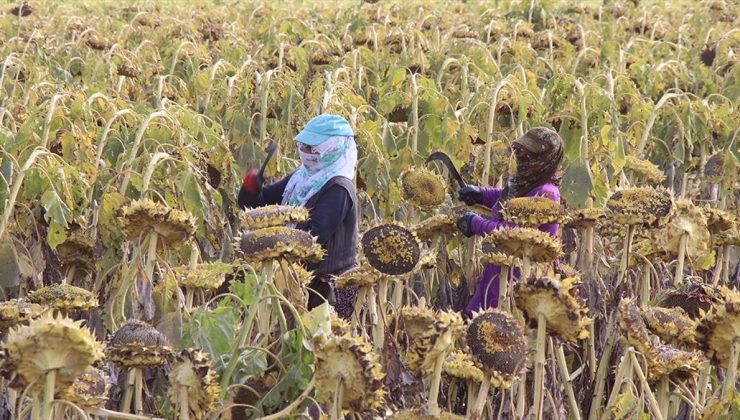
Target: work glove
(253, 182)
(471, 195)
(465, 222)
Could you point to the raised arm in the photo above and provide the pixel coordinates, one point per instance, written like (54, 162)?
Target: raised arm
(269, 194)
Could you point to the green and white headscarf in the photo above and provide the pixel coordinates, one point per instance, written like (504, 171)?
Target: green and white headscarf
(337, 156)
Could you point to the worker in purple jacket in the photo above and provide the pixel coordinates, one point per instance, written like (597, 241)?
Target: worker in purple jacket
(322, 184)
(539, 154)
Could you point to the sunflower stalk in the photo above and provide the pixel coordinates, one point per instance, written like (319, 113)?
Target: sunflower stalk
(182, 396)
(472, 396)
(480, 401)
(336, 406)
(703, 383)
(663, 394)
(434, 387)
(624, 373)
(138, 391)
(678, 277)
(128, 392)
(47, 410)
(539, 365)
(503, 289)
(731, 371)
(575, 411)
(378, 326)
(602, 372)
(626, 250)
(645, 284)
(646, 388)
(359, 303)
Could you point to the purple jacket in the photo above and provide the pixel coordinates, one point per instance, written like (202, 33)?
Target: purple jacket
(486, 295)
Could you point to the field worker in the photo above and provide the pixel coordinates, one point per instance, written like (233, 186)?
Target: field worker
(539, 154)
(322, 184)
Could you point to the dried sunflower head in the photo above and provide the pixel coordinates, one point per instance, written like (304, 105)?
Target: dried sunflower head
(695, 299)
(278, 242)
(723, 226)
(359, 276)
(50, 343)
(498, 345)
(64, 297)
(138, 344)
(520, 242)
(533, 211)
(89, 390)
(633, 327)
(721, 167)
(565, 312)
(391, 248)
(18, 312)
(720, 327)
(494, 255)
(722, 407)
(670, 324)
(192, 369)
(688, 220)
(420, 414)
(649, 207)
(609, 228)
(271, 216)
(644, 169)
(350, 361)
(423, 188)
(417, 320)
(461, 365)
(77, 251)
(439, 339)
(143, 216)
(583, 218)
(439, 224)
(207, 276)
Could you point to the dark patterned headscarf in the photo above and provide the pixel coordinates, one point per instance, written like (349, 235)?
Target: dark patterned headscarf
(538, 161)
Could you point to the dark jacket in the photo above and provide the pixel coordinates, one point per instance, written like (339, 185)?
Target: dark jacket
(333, 215)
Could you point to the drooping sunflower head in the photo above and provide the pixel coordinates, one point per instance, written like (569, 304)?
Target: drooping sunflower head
(533, 211)
(18, 312)
(520, 242)
(723, 226)
(650, 207)
(439, 224)
(417, 320)
(391, 248)
(585, 217)
(77, 251)
(460, 365)
(498, 345)
(435, 342)
(278, 242)
(665, 360)
(688, 220)
(670, 324)
(720, 327)
(271, 216)
(565, 312)
(192, 369)
(206, 276)
(360, 276)
(351, 363)
(143, 216)
(138, 344)
(493, 255)
(695, 298)
(633, 327)
(64, 297)
(721, 167)
(644, 169)
(50, 343)
(89, 390)
(423, 188)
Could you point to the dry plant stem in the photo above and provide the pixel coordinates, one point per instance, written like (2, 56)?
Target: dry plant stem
(663, 395)
(434, 389)
(625, 254)
(602, 372)
(398, 288)
(521, 396)
(128, 392)
(336, 407)
(726, 264)
(703, 384)
(575, 411)
(361, 296)
(678, 278)
(182, 396)
(138, 391)
(288, 410)
(108, 414)
(718, 265)
(645, 284)
(646, 388)
(480, 401)
(539, 365)
(383, 297)
(472, 395)
(378, 325)
(526, 267)
(591, 350)
(503, 286)
(46, 405)
(624, 373)
(731, 372)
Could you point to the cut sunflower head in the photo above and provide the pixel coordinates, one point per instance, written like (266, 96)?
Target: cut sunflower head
(89, 390)
(64, 297)
(520, 242)
(143, 216)
(644, 169)
(138, 344)
(50, 343)
(439, 224)
(349, 362)
(498, 345)
(649, 207)
(18, 312)
(271, 216)
(192, 369)
(565, 312)
(423, 188)
(670, 324)
(720, 327)
(533, 211)
(278, 242)
(391, 248)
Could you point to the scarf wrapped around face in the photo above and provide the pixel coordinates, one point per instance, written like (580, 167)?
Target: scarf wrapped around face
(337, 156)
(542, 166)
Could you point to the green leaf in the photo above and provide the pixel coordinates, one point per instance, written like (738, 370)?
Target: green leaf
(55, 235)
(577, 183)
(56, 210)
(9, 269)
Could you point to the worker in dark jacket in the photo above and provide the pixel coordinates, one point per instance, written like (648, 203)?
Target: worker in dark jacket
(322, 184)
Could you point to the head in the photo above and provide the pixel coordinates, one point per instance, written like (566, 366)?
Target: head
(539, 155)
(322, 141)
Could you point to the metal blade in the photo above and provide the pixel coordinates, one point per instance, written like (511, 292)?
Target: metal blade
(270, 151)
(445, 159)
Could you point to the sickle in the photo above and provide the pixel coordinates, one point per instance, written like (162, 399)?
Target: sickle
(270, 151)
(445, 159)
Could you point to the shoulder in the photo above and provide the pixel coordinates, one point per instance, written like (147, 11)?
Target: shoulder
(548, 190)
(339, 187)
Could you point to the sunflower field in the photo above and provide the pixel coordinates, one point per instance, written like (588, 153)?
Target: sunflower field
(132, 286)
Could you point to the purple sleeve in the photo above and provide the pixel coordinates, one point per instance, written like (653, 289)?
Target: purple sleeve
(491, 196)
(482, 226)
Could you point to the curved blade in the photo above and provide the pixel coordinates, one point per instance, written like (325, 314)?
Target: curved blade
(445, 159)
(270, 151)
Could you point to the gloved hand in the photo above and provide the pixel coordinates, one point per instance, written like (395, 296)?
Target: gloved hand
(470, 195)
(253, 182)
(464, 223)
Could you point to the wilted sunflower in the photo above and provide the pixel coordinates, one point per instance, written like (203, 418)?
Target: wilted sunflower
(719, 330)
(533, 211)
(439, 224)
(77, 252)
(461, 365)
(694, 298)
(391, 248)
(723, 226)
(493, 255)
(50, 343)
(609, 228)
(498, 345)
(688, 220)
(533, 244)
(271, 216)
(64, 297)
(350, 362)
(670, 324)
(278, 242)
(143, 216)
(650, 207)
(89, 390)
(565, 312)
(207, 276)
(633, 327)
(437, 340)
(18, 312)
(422, 188)
(722, 407)
(720, 167)
(138, 344)
(191, 376)
(583, 218)
(644, 169)
(359, 276)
